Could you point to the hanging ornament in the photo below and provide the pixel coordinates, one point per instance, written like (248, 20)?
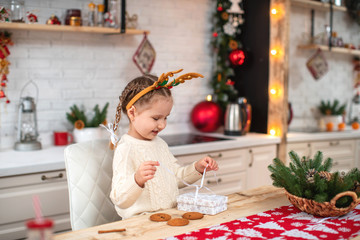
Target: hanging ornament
(220, 8)
(206, 116)
(144, 56)
(237, 57)
(229, 29)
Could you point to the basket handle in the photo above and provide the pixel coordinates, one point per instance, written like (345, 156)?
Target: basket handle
(340, 195)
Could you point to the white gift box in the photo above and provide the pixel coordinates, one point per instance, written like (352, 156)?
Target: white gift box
(204, 203)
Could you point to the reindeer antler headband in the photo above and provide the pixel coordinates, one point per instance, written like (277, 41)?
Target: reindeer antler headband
(163, 82)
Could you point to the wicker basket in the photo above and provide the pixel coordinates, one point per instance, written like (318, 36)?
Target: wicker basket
(324, 209)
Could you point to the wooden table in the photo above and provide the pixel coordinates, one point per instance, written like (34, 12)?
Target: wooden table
(241, 204)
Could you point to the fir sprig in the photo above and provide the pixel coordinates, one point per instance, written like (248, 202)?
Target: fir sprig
(304, 178)
(79, 114)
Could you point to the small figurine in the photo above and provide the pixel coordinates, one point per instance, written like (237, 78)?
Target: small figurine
(4, 14)
(32, 18)
(53, 20)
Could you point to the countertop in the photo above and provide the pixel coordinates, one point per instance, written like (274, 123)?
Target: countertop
(51, 158)
(293, 137)
(139, 227)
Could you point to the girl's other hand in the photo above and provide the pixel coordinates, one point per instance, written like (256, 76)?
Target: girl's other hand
(201, 165)
(145, 172)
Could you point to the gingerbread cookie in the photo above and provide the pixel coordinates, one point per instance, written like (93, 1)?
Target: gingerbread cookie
(160, 217)
(193, 215)
(178, 222)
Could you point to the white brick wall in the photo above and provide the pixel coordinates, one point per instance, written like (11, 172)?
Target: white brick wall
(88, 69)
(305, 93)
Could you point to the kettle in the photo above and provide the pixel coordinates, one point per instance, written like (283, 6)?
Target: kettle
(236, 118)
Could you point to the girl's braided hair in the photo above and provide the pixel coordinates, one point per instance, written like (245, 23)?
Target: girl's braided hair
(134, 87)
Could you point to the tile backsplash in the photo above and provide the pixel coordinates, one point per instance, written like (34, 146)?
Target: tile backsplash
(88, 69)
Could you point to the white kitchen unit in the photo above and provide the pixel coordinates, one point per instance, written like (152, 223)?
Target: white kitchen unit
(239, 169)
(16, 202)
(243, 164)
(342, 147)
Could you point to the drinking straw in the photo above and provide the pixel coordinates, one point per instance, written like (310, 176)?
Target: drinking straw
(37, 208)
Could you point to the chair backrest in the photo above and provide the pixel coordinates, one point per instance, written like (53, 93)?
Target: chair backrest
(89, 175)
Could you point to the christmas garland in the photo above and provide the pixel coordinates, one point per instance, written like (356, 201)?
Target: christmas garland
(5, 41)
(226, 49)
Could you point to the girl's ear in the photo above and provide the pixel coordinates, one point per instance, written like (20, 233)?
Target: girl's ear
(131, 113)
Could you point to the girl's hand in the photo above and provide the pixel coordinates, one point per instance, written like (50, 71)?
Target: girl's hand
(145, 172)
(201, 165)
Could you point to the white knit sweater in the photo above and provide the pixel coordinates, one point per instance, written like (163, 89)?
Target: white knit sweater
(159, 192)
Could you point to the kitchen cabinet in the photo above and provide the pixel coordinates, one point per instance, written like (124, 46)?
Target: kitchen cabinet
(343, 152)
(16, 203)
(239, 169)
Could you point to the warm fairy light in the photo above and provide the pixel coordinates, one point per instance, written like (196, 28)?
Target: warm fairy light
(274, 52)
(272, 132)
(275, 131)
(275, 91)
(277, 11)
(274, 11)
(209, 98)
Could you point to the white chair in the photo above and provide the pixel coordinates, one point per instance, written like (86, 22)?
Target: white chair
(89, 174)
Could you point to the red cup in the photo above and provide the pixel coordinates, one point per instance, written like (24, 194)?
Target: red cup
(63, 138)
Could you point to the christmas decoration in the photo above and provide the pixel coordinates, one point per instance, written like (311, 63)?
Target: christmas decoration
(310, 179)
(206, 116)
(4, 14)
(5, 41)
(53, 20)
(80, 120)
(317, 65)
(144, 56)
(32, 18)
(227, 49)
(237, 57)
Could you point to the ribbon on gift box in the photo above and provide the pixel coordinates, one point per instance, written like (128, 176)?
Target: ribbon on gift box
(198, 187)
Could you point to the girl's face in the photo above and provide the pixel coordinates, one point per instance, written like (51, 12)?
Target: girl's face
(148, 120)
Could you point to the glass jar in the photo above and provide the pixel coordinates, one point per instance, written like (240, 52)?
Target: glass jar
(40, 229)
(72, 13)
(17, 11)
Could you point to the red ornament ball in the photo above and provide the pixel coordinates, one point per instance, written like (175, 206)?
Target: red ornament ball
(237, 57)
(206, 116)
(220, 8)
(215, 34)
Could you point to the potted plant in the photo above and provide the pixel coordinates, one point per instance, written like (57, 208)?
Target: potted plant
(86, 126)
(332, 114)
(311, 187)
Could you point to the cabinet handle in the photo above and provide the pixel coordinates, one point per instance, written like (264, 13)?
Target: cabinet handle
(334, 143)
(213, 182)
(43, 177)
(251, 158)
(217, 156)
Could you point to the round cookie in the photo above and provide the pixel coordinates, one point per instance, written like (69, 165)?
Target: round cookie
(193, 215)
(178, 222)
(160, 217)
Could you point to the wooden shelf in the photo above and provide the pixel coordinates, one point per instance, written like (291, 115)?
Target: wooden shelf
(317, 5)
(354, 52)
(66, 28)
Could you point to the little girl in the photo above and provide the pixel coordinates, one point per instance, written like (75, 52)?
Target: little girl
(141, 180)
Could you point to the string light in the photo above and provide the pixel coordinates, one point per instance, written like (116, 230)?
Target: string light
(272, 132)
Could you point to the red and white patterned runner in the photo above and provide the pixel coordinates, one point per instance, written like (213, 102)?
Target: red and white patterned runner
(286, 222)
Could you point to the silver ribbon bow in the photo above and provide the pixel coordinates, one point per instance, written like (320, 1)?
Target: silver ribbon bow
(113, 137)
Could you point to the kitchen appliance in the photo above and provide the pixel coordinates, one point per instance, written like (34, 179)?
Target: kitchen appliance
(236, 118)
(189, 138)
(27, 130)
